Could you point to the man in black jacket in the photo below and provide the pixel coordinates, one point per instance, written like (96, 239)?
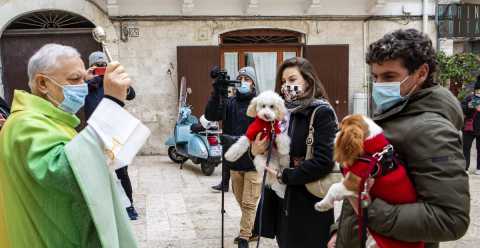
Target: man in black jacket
(95, 95)
(245, 179)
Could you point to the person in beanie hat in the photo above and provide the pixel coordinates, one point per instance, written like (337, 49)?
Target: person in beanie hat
(471, 129)
(245, 74)
(246, 182)
(95, 95)
(97, 58)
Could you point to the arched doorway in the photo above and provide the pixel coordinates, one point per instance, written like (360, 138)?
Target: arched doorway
(262, 48)
(26, 34)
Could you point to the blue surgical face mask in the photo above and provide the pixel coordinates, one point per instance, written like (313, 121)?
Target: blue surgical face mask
(244, 88)
(386, 95)
(73, 96)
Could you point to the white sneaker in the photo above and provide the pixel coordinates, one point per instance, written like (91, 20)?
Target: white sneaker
(477, 172)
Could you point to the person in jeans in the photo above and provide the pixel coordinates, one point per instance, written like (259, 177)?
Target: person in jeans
(471, 129)
(245, 179)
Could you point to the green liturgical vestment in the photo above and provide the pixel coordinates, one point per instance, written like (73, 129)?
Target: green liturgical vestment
(56, 188)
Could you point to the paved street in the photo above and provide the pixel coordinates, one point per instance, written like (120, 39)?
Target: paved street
(178, 210)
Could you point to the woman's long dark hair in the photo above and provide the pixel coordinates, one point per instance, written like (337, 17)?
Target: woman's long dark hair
(308, 73)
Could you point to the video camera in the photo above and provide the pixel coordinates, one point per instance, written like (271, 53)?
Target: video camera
(222, 80)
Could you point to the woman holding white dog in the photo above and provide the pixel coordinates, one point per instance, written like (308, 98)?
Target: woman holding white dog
(293, 220)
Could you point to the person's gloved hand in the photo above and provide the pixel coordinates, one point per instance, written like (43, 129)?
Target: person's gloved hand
(219, 89)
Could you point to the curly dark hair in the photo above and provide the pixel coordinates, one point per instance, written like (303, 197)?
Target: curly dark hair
(411, 46)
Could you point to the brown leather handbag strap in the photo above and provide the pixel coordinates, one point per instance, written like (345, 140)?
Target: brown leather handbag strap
(311, 138)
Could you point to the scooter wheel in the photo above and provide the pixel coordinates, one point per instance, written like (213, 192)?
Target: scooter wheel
(173, 155)
(207, 168)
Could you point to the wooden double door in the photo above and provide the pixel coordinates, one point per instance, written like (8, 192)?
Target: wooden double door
(330, 61)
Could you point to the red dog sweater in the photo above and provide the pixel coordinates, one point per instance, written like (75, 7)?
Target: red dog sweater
(259, 125)
(394, 188)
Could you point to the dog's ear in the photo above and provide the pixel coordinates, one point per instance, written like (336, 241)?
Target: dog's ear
(252, 108)
(280, 109)
(349, 144)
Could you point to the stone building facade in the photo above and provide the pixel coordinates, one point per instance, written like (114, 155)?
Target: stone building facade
(144, 35)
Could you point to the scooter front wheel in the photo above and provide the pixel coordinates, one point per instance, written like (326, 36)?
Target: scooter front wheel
(174, 156)
(208, 168)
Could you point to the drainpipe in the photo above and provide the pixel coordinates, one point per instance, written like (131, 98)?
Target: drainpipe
(425, 16)
(366, 87)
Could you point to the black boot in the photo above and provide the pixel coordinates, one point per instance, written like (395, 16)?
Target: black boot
(242, 243)
(218, 188)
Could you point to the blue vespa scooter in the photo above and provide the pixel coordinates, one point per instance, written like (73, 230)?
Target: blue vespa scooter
(200, 146)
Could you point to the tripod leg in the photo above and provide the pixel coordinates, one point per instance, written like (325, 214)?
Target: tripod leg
(264, 179)
(223, 211)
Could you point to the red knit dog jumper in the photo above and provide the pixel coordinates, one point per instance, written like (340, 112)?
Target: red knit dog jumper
(394, 188)
(259, 125)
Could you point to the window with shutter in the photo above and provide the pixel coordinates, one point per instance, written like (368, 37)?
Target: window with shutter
(262, 49)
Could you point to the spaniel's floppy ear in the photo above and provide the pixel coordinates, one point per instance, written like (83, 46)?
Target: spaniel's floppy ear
(349, 144)
(252, 108)
(280, 109)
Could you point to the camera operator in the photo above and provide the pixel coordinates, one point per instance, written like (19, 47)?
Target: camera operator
(97, 63)
(245, 179)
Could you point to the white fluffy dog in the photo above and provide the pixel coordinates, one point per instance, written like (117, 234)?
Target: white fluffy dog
(268, 108)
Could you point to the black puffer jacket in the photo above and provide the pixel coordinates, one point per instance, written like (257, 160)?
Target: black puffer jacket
(233, 114)
(293, 220)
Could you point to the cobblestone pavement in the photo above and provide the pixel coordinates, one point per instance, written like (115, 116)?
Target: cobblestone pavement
(178, 210)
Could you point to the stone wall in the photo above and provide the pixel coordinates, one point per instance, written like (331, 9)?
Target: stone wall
(149, 57)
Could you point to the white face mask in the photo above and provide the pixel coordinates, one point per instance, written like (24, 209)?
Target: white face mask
(386, 95)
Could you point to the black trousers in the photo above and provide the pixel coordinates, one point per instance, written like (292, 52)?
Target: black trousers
(122, 174)
(468, 138)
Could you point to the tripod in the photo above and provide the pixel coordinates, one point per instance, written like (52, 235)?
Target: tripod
(223, 211)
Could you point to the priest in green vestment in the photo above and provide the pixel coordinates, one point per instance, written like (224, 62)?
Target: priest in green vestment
(56, 185)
